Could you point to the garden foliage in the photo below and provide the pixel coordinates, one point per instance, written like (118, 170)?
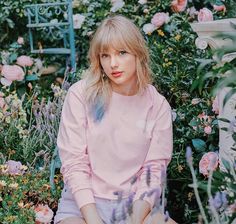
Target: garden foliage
(31, 102)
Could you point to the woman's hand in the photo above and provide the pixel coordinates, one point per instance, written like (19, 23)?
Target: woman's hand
(90, 214)
(140, 211)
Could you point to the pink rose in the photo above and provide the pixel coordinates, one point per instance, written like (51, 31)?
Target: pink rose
(24, 61)
(178, 5)
(209, 161)
(14, 167)
(219, 8)
(207, 130)
(205, 15)
(43, 214)
(20, 40)
(13, 72)
(159, 19)
(215, 105)
(2, 101)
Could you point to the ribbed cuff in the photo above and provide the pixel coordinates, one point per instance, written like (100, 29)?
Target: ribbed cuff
(83, 197)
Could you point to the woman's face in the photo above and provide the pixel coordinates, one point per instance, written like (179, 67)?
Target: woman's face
(120, 67)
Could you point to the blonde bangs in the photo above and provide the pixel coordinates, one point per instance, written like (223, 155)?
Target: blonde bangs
(111, 37)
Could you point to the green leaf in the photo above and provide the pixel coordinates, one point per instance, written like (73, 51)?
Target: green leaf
(202, 185)
(193, 123)
(204, 63)
(234, 149)
(229, 95)
(11, 24)
(12, 57)
(218, 2)
(199, 144)
(234, 136)
(225, 163)
(224, 120)
(215, 122)
(32, 77)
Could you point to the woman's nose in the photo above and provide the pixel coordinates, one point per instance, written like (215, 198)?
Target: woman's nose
(114, 61)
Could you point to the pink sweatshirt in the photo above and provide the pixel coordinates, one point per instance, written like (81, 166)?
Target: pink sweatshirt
(100, 158)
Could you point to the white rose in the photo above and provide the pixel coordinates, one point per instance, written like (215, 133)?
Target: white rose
(117, 5)
(142, 2)
(78, 20)
(148, 28)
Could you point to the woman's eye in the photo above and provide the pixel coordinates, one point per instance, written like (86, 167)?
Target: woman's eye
(123, 52)
(104, 55)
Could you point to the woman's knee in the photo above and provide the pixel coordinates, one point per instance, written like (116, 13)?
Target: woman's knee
(158, 218)
(72, 220)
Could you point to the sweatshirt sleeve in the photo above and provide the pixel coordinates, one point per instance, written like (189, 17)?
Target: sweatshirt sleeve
(158, 156)
(72, 146)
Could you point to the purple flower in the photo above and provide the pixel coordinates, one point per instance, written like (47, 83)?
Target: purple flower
(133, 179)
(163, 175)
(219, 201)
(148, 176)
(123, 213)
(14, 167)
(188, 154)
(142, 195)
(113, 216)
(157, 198)
(119, 195)
(129, 203)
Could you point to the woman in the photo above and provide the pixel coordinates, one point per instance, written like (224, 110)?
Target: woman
(115, 135)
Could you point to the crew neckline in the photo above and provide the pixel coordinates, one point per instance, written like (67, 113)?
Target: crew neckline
(124, 96)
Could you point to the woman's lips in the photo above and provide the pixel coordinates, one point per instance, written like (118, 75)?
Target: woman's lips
(116, 74)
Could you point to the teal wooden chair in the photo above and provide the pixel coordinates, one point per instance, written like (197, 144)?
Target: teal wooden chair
(55, 164)
(55, 20)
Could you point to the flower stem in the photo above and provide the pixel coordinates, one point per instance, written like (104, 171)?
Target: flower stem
(214, 212)
(195, 186)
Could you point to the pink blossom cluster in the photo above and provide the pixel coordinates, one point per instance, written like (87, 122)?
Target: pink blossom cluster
(158, 20)
(202, 122)
(206, 122)
(179, 5)
(12, 73)
(205, 15)
(209, 162)
(43, 214)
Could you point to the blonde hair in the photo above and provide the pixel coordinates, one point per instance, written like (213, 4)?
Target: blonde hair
(116, 32)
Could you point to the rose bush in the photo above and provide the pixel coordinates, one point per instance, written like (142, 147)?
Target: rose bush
(30, 110)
